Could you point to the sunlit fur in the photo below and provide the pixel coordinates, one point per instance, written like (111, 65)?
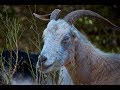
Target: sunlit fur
(85, 63)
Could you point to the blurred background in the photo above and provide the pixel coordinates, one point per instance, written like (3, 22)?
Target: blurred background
(31, 28)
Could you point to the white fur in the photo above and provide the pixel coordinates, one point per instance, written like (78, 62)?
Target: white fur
(64, 77)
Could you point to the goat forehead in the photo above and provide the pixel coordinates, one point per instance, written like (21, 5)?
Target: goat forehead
(57, 29)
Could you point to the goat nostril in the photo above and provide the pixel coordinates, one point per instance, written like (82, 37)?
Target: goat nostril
(43, 58)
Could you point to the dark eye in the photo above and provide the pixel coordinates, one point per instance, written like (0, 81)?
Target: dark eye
(65, 42)
(66, 38)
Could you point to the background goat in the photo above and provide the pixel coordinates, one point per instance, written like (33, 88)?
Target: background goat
(65, 46)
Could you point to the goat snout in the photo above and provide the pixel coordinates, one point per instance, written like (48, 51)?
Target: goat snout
(43, 64)
(42, 58)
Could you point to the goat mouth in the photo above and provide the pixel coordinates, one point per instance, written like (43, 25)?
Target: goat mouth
(45, 67)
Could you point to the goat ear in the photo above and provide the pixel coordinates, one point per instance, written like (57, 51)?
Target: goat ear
(43, 17)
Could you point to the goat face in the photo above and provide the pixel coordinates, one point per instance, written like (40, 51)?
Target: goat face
(58, 46)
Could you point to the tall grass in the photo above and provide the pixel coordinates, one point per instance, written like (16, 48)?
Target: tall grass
(37, 39)
(13, 26)
(12, 34)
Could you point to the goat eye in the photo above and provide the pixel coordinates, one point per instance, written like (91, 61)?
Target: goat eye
(66, 38)
(73, 36)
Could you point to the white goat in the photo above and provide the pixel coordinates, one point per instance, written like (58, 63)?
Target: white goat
(65, 46)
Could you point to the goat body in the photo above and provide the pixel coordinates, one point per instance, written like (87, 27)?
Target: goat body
(64, 44)
(94, 66)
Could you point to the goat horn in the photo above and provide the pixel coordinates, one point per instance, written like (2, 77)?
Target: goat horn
(42, 17)
(53, 15)
(73, 16)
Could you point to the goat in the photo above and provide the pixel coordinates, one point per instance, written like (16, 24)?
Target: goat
(65, 46)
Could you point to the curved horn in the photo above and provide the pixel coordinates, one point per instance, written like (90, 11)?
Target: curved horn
(73, 16)
(53, 15)
(42, 17)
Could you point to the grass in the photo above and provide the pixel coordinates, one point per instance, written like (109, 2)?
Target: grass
(12, 35)
(12, 26)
